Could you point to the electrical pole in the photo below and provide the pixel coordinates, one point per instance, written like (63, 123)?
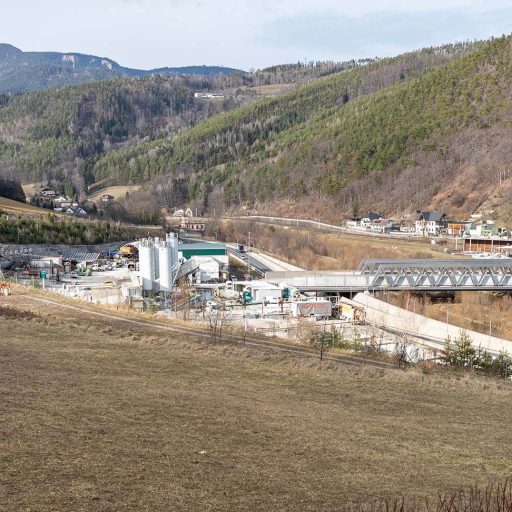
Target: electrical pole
(249, 257)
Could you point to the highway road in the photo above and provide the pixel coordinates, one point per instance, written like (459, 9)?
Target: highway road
(251, 261)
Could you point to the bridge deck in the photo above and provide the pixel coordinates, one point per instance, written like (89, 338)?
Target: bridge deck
(420, 275)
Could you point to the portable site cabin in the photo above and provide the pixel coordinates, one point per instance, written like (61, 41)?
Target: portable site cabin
(259, 290)
(319, 308)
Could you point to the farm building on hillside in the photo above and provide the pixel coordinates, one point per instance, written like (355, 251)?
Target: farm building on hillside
(76, 210)
(106, 198)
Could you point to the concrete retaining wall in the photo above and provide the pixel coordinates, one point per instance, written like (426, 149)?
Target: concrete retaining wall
(386, 315)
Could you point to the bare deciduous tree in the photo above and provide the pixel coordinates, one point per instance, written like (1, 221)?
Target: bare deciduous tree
(216, 321)
(401, 355)
(322, 342)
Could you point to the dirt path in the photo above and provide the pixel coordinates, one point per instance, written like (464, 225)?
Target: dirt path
(34, 300)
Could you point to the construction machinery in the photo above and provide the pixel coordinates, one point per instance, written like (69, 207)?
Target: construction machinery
(129, 251)
(356, 314)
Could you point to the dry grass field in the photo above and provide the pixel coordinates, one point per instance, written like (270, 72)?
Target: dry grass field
(96, 415)
(118, 192)
(10, 206)
(274, 90)
(30, 189)
(313, 250)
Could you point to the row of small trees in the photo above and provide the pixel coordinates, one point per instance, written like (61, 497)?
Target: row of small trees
(460, 352)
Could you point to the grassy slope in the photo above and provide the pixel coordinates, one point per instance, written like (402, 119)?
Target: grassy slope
(118, 192)
(10, 206)
(95, 417)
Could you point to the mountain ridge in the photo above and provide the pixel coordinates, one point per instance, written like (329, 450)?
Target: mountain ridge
(34, 71)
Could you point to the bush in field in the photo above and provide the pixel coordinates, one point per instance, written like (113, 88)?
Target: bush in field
(460, 352)
(493, 498)
(321, 341)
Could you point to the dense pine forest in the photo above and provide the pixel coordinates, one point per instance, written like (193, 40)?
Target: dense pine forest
(424, 129)
(340, 141)
(57, 135)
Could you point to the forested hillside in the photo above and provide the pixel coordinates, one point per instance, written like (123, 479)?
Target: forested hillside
(59, 134)
(377, 136)
(424, 129)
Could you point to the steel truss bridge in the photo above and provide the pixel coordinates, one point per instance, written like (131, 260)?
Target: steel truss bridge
(411, 275)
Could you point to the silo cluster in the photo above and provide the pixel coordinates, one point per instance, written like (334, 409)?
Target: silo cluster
(158, 261)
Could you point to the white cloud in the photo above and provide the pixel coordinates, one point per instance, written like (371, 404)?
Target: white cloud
(382, 33)
(244, 33)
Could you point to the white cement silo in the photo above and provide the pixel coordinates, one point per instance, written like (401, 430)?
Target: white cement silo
(156, 265)
(165, 262)
(147, 265)
(168, 256)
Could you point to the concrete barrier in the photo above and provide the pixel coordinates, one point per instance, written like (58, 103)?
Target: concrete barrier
(432, 332)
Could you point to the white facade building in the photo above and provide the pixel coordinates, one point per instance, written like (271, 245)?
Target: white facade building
(430, 223)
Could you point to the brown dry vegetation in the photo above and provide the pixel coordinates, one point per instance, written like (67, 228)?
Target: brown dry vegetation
(99, 416)
(312, 250)
(273, 90)
(469, 310)
(117, 192)
(10, 206)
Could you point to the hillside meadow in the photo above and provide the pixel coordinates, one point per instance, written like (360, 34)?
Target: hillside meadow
(98, 415)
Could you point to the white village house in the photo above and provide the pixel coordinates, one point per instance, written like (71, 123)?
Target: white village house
(369, 219)
(76, 210)
(180, 212)
(430, 223)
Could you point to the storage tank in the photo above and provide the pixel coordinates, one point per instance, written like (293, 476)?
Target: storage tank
(172, 240)
(147, 265)
(168, 257)
(156, 264)
(165, 262)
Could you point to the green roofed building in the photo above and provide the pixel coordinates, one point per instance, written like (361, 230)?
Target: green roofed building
(202, 249)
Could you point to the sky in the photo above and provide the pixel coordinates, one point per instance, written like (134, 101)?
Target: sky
(246, 34)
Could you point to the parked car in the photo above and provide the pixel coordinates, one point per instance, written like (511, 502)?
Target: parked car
(73, 275)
